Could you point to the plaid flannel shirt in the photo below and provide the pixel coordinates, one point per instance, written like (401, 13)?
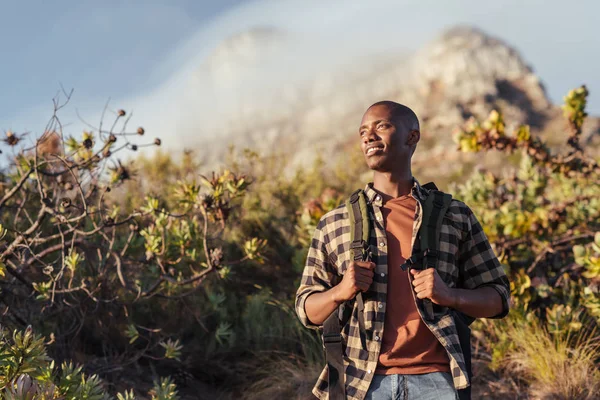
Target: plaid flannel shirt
(466, 260)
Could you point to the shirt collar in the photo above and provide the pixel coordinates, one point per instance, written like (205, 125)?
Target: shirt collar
(417, 191)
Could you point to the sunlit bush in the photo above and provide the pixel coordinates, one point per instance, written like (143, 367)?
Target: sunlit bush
(543, 219)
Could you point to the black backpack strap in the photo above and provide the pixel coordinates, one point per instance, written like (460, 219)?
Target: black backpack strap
(334, 356)
(430, 186)
(360, 228)
(434, 209)
(360, 225)
(464, 338)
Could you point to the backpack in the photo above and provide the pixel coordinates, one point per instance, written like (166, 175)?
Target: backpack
(434, 209)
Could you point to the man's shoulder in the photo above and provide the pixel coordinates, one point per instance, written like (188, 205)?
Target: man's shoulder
(459, 207)
(459, 212)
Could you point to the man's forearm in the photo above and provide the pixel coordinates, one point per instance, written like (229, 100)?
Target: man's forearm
(320, 305)
(483, 302)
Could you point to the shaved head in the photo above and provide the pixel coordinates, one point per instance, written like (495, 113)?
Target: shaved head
(401, 113)
(389, 133)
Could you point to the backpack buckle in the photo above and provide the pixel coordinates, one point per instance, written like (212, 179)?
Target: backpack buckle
(358, 244)
(409, 262)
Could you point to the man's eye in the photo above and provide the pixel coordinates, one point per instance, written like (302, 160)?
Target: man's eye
(362, 133)
(383, 126)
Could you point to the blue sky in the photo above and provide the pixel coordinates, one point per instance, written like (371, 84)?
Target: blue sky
(101, 49)
(135, 52)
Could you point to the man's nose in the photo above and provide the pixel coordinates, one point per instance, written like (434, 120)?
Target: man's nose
(370, 136)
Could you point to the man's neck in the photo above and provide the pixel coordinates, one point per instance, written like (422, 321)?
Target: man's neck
(392, 185)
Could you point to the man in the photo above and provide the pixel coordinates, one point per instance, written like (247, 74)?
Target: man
(400, 354)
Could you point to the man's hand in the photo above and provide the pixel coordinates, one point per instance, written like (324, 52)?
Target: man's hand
(357, 278)
(429, 285)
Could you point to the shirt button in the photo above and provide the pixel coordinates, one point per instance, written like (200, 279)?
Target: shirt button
(378, 198)
(382, 274)
(377, 338)
(381, 244)
(368, 371)
(379, 218)
(380, 305)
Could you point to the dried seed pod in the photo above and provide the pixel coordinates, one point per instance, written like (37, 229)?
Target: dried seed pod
(88, 143)
(11, 139)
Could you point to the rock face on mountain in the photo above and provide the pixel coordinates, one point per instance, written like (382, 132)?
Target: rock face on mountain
(463, 72)
(466, 72)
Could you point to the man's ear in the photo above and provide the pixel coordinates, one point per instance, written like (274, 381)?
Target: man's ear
(413, 137)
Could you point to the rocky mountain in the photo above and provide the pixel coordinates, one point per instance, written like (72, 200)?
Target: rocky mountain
(463, 72)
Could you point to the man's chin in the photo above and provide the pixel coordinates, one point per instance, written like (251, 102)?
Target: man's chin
(376, 165)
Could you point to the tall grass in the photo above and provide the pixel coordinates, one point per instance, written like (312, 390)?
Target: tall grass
(556, 366)
(282, 358)
(284, 378)
(271, 325)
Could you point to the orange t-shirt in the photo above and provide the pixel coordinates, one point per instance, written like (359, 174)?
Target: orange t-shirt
(407, 346)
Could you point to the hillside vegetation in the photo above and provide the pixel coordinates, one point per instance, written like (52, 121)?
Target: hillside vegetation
(158, 279)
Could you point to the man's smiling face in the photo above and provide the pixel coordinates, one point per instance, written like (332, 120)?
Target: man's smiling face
(385, 140)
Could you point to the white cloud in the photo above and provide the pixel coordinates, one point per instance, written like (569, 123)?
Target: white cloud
(321, 39)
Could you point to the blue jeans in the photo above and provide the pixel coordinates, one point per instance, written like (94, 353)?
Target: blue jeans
(432, 386)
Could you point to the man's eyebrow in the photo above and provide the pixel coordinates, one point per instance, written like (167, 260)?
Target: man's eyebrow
(374, 122)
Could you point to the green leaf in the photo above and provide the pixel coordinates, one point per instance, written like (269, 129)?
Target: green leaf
(172, 349)
(579, 251)
(3, 232)
(132, 333)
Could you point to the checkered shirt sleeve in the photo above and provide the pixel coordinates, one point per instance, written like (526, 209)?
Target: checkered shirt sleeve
(480, 264)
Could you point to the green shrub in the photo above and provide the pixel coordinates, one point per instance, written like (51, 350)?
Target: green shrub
(543, 220)
(27, 373)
